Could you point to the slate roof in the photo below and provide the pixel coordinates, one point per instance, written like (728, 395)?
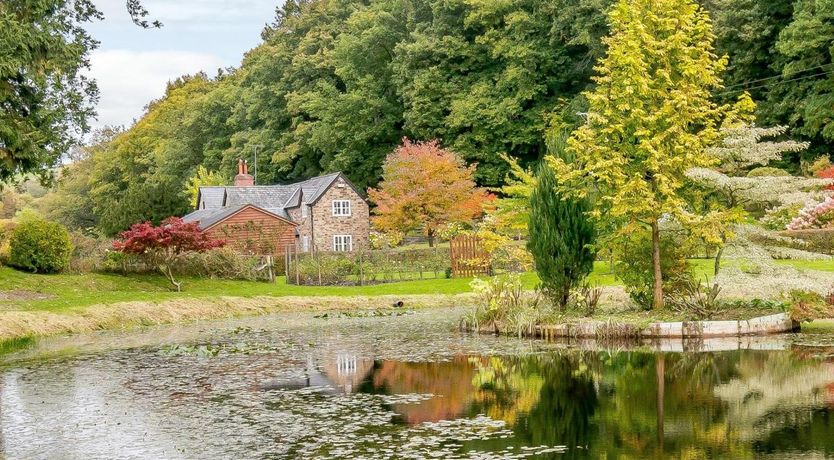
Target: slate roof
(212, 196)
(215, 203)
(270, 196)
(208, 217)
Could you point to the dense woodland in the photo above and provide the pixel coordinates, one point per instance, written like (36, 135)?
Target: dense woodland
(337, 84)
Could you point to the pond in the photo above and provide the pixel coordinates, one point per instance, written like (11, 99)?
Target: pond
(408, 386)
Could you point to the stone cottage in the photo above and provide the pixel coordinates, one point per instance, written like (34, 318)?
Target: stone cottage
(325, 213)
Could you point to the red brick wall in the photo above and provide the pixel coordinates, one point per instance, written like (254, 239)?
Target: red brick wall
(255, 232)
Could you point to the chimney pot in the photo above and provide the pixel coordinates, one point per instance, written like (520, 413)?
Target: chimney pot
(243, 179)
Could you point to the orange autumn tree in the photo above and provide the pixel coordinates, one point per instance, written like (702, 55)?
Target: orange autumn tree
(425, 186)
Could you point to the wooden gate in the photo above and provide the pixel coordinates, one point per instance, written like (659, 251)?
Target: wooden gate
(468, 257)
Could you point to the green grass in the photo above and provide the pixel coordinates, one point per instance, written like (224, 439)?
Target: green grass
(69, 291)
(820, 326)
(818, 265)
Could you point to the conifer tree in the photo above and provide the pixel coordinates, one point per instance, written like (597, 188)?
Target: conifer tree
(561, 237)
(650, 118)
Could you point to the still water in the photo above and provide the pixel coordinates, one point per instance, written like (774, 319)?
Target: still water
(295, 386)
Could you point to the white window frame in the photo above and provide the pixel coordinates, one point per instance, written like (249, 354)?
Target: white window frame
(341, 208)
(342, 243)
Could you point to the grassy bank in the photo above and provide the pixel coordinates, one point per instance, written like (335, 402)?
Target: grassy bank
(52, 304)
(27, 292)
(21, 324)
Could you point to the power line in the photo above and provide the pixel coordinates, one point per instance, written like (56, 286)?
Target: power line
(778, 76)
(777, 83)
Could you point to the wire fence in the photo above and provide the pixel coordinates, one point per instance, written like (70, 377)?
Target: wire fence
(363, 266)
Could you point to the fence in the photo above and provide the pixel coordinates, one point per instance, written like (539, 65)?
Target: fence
(468, 257)
(360, 267)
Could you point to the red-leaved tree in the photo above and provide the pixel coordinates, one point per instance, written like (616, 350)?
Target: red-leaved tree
(424, 185)
(163, 246)
(827, 173)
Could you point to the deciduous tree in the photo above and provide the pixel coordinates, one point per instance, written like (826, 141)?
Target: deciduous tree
(425, 186)
(651, 117)
(164, 245)
(45, 98)
(731, 191)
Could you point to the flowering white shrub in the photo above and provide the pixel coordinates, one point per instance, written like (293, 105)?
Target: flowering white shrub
(774, 190)
(778, 218)
(819, 215)
(778, 252)
(736, 284)
(742, 147)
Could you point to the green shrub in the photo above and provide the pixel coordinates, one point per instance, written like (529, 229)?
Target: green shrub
(807, 306)
(325, 269)
(821, 163)
(40, 246)
(6, 229)
(817, 240)
(779, 218)
(501, 303)
(225, 263)
(633, 266)
(560, 241)
(89, 252)
(766, 171)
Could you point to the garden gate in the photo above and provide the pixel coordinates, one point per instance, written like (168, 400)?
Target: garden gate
(468, 257)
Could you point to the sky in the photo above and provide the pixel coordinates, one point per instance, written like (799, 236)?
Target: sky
(132, 65)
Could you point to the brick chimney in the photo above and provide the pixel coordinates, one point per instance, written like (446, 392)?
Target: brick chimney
(243, 178)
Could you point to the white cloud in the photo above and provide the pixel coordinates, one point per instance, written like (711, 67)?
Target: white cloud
(129, 80)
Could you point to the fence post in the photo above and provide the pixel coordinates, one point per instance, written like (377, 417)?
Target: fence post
(287, 263)
(297, 277)
(318, 263)
(361, 273)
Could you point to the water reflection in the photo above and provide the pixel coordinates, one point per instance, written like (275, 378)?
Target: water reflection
(298, 387)
(631, 404)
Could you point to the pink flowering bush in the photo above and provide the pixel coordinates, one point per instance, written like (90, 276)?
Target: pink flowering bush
(820, 215)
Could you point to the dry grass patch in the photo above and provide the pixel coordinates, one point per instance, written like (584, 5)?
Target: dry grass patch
(17, 324)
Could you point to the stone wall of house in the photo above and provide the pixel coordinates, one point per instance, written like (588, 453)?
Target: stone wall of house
(254, 232)
(326, 225)
(305, 227)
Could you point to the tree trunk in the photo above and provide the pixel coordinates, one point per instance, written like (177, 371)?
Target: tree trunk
(657, 293)
(166, 270)
(660, 372)
(718, 256)
(430, 235)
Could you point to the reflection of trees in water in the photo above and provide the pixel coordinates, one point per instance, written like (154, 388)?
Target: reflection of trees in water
(450, 381)
(774, 391)
(549, 399)
(630, 404)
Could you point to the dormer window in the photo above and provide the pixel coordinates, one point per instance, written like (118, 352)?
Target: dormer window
(341, 208)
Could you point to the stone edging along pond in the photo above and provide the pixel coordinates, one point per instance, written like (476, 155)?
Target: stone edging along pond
(763, 325)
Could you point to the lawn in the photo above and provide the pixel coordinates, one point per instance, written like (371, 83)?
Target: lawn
(68, 291)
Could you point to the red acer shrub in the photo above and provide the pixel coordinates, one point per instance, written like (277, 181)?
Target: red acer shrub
(164, 245)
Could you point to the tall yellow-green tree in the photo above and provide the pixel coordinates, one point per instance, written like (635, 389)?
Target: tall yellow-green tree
(650, 118)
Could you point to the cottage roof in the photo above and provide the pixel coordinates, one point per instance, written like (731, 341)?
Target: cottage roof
(215, 203)
(208, 217)
(270, 196)
(211, 197)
